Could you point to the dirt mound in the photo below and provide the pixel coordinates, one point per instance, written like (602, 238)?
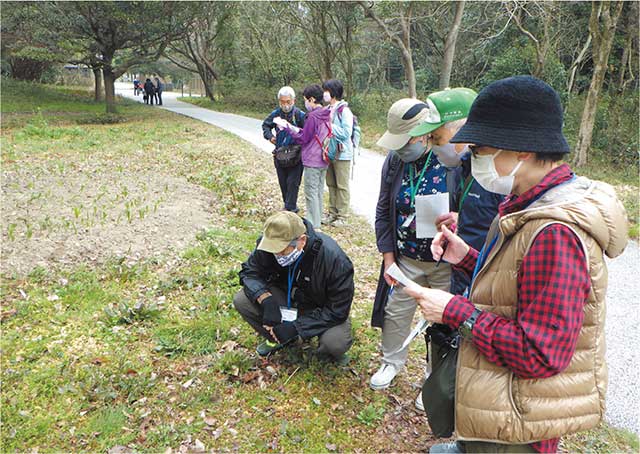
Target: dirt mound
(60, 217)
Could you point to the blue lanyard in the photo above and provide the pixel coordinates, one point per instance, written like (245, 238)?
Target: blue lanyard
(482, 257)
(291, 272)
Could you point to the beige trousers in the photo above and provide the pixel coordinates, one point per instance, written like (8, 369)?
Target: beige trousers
(401, 307)
(338, 174)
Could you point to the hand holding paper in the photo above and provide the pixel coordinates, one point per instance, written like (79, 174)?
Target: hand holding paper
(284, 124)
(399, 276)
(432, 301)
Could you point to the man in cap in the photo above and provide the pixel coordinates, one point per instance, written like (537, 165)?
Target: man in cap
(297, 283)
(409, 170)
(531, 365)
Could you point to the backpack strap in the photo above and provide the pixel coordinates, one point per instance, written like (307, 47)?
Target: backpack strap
(394, 166)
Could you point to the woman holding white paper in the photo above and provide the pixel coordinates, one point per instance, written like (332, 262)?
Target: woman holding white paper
(412, 169)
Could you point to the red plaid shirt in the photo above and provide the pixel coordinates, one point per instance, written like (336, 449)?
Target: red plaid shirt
(553, 285)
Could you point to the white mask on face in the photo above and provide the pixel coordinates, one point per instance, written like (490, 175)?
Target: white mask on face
(307, 105)
(483, 169)
(326, 97)
(447, 154)
(286, 260)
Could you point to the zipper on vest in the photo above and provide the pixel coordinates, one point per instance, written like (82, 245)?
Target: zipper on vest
(511, 399)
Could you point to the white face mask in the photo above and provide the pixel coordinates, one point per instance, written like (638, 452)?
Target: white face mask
(326, 97)
(447, 154)
(286, 260)
(483, 169)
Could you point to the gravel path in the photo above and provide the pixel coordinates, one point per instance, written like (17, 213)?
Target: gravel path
(623, 302)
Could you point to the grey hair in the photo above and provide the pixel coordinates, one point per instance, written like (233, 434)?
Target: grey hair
(287, 91)
(455, 125)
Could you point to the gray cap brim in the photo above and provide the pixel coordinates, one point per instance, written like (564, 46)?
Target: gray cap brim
(393, 141)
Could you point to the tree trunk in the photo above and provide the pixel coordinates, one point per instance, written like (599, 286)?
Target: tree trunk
(97, 90)
(576, 64)
(602, 26)
(403, 44)
(410, 73)
(450, 46)
(109, 89)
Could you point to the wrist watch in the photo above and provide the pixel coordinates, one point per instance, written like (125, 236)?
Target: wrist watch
(466, 328)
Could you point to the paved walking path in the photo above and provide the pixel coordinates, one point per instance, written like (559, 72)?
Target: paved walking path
(366, 174)
(623, 297)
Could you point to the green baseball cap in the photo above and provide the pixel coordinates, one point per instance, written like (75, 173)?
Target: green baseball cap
(280, 230)
(444, 106)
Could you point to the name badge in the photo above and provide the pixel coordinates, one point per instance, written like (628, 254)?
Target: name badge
(288, 315)
(409, 220)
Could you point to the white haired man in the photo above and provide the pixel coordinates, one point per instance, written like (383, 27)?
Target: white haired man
(289, 171)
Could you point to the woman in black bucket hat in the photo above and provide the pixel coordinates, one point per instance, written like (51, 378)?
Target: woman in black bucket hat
(531, 366)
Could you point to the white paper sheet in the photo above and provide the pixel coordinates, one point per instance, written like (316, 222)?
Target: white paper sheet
(282, 124)
(420, 328)
(399, 276)
(428, 208)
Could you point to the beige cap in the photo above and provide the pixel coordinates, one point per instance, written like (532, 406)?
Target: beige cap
(280, 230)
(403, 116)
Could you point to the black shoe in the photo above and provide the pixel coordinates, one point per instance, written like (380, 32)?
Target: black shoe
(268, 347)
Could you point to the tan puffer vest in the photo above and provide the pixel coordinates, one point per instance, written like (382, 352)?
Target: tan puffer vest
(491, 403)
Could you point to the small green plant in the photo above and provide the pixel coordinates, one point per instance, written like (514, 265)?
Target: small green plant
(234, 363)
(124, 313)
(370, 414)
(11, 231)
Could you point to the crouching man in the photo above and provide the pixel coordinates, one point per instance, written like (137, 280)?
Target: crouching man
(297, 283)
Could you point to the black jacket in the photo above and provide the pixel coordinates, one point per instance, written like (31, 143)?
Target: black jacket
(385, 225)
(149, 88)
(323, 283)
(296, 117)
(475, 216)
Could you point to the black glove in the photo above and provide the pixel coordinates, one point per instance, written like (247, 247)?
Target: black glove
(285, 332)
(271, 312)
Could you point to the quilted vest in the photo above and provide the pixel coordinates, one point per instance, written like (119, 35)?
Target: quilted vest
(492, 404)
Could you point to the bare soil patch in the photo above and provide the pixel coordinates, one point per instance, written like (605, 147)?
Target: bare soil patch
(66, 217)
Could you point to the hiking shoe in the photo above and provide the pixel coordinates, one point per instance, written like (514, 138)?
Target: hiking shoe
(342, 360)
(328, 219)
(339, 223)
(383, 378)
(268, 347)
(418, 402)
(452, 447)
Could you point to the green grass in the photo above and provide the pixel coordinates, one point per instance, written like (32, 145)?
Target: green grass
(152, 355)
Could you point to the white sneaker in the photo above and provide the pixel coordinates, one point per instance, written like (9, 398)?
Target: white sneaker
(382, 379)
(418, 403)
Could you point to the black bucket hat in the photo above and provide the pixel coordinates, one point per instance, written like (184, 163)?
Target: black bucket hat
(519, 113)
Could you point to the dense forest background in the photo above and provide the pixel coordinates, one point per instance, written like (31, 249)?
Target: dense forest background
(244, 51)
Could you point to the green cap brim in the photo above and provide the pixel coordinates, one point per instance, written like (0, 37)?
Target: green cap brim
(424, 128)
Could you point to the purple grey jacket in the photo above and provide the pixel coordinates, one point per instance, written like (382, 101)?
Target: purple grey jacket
(315, 130)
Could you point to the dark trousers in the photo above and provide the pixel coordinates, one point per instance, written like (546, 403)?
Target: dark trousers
(334, 342)
(159, 94)
(289, 180)
(152, 96)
